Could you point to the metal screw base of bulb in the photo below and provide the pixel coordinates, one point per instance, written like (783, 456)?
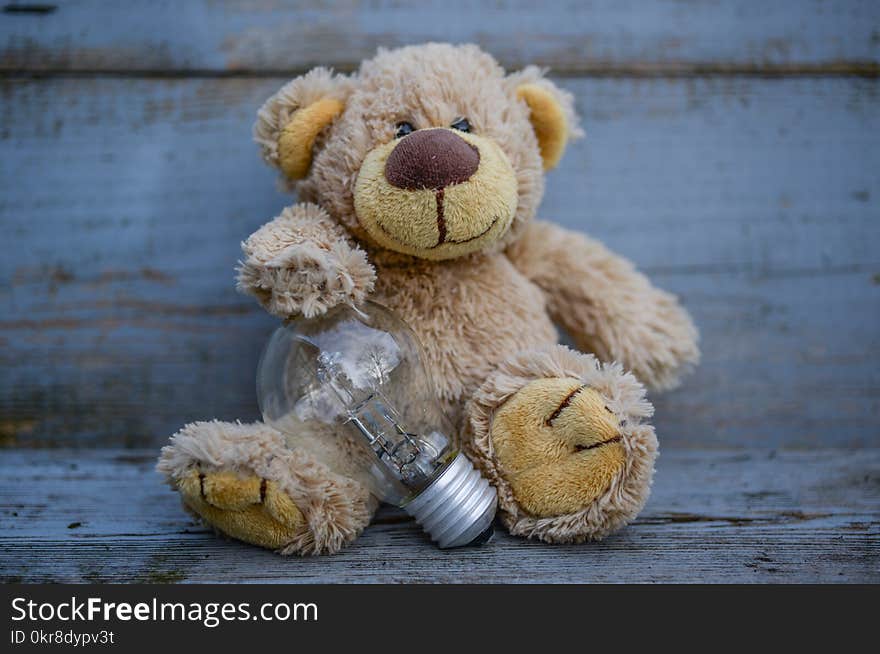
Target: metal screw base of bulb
(457, 508)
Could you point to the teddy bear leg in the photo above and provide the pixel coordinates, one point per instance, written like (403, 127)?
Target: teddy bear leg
(245, 481)
(562, 438)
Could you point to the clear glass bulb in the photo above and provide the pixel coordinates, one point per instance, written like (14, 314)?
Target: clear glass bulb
(356, 375)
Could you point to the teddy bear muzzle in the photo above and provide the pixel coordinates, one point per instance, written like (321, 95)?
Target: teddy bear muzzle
(436, 193)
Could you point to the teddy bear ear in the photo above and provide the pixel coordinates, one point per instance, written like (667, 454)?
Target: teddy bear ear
(290, 123)
(551, 112)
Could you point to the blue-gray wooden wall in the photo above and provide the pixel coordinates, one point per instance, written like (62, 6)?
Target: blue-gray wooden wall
(733, 152)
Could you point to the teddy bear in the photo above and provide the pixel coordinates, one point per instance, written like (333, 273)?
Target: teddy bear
(418, 179)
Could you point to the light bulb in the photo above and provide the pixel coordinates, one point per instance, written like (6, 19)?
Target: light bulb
(357, 375)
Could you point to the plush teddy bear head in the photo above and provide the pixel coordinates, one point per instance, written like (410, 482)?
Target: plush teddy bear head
(430, 151)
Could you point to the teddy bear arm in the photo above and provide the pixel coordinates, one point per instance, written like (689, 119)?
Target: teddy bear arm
(303, 262)
(606, 306)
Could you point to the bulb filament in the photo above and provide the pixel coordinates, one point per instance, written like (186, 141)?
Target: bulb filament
(410, 457)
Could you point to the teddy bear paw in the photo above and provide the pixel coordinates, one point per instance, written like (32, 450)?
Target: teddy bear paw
(246, 507)
(559, 446)
(306, 279)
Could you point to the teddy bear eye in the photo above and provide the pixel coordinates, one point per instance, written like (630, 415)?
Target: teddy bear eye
(461, 124)
(403, 129)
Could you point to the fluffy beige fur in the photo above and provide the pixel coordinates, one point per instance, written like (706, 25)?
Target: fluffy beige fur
(608, 307)
(303, 262)
(485, 318)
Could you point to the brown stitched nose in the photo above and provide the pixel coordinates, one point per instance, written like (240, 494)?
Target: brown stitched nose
(431, 158)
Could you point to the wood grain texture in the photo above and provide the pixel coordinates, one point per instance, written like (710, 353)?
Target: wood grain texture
(123, 203)
(573, 37)
(748, 516)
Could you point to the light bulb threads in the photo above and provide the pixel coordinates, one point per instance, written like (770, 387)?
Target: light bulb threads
(457, 508)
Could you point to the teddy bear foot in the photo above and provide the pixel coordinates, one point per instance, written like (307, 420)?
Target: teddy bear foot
(561, 436)
(559, 445)
(246, 507)
(245, 482)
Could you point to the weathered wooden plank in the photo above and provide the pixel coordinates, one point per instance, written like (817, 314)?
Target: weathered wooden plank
(574, 37)
(123, 203)
(747, 516)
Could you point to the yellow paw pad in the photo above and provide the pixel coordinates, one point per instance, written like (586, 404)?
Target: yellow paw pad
(558, 444)
(246, 507)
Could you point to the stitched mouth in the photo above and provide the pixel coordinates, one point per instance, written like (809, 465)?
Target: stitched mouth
(439, 194)
(593, 446)
(467, 240)
(441, 227)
